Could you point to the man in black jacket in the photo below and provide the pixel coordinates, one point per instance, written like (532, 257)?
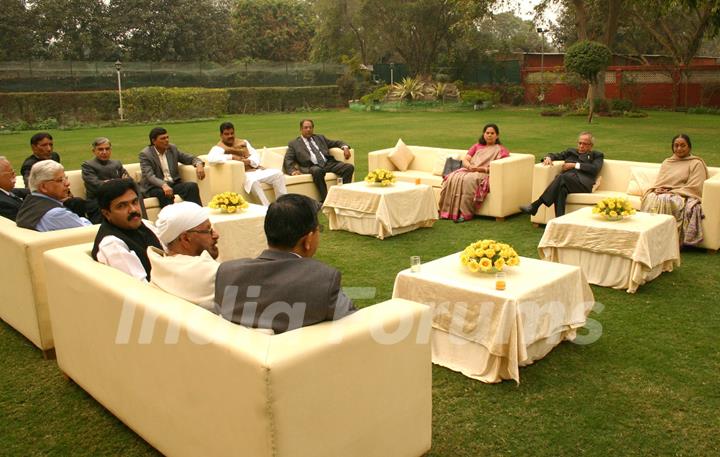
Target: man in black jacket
(310, 153)
(10, 198)
(581, 167)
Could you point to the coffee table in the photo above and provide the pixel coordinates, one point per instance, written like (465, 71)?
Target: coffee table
(380, 211)
(241, 234)
(487, 334)
(620, 254)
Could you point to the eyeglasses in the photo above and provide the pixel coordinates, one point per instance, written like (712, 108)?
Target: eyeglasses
(209, 231)
(58, 180)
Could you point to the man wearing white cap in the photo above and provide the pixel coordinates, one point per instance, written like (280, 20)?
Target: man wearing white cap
(187, 267)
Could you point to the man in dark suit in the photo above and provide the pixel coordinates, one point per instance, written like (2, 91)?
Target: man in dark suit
(284, 288)
(310, 153)
(581, 167)
(10, 198)
(97, 171)
(160, 173)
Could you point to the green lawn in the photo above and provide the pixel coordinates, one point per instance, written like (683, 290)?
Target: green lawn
(649, 386)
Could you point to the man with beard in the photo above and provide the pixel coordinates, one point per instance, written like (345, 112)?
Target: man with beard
(123, 237)
(231, 148)
(187, 268)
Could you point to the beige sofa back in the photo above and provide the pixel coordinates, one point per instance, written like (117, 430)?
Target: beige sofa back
(615, 179)
(273, 158)
(510, 178)
(23, 295)
(192, 383)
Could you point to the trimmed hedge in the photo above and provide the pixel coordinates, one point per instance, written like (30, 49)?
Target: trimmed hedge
(32, 107)
(161, 103)
(263, 99)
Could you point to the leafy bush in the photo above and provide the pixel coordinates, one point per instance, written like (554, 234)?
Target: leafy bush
(378, 94)
(60, 106)
(477, 97)
(266, 99)
(409, 89)
(587, 59)
(619, 104)
(601, 105)
(514, 94)
(703, 110)
(160, 103)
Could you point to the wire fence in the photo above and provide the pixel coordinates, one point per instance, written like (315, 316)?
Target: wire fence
(32, 76)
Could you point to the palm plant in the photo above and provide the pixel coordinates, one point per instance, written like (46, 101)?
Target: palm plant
(409, 89)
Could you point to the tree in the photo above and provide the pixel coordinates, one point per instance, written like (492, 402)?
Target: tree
(73, 29)
(16, 35)
(279, 30)
(418, 30)
(343, 29)
(588, 59)
(174, 30)
(679, 28)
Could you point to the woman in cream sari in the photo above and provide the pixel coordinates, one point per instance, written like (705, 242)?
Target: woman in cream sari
(678, 190)
(465, 189)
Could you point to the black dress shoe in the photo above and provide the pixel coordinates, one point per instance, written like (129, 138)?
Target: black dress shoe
(528, 209)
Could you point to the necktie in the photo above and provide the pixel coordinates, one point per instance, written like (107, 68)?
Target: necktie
(318, 155)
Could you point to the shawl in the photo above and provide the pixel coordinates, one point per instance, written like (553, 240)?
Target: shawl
(683, 176)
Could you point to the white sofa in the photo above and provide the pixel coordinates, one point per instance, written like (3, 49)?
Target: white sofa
(510, 178)
(192, 383)
(23, 295)
(298, 184)
(617, 177)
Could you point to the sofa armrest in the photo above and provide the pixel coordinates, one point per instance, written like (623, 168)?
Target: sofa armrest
(219, 177)
(367, 375)
(379, 159)
(510, 184)
(24, 296)
(711, 210)
(340, 155)
(542, 177)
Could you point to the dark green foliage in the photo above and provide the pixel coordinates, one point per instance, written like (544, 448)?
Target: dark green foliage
(513, 94)
(621, 104)
(158, 103)
(264, 99)
(478, 97)
(587, 59)
(63, 106)
(378, 94)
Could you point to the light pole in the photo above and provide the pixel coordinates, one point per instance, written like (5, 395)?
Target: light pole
(542, 31)
(118, 67)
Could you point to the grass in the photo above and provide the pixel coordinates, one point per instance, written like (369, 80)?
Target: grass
(648, 386)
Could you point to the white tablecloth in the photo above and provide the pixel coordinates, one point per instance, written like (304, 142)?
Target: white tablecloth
(241, 234)
(380, 211)
(488, 334)
(621, 254)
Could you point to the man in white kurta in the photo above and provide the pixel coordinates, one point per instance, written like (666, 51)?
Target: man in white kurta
(231, 148)
(187, 267)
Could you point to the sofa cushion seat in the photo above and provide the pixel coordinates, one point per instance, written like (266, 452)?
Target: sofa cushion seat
(590, 199)
(424, 176)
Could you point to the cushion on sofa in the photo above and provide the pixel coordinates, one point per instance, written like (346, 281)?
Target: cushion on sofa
(641, 179)
(271, 159)
(402, 156)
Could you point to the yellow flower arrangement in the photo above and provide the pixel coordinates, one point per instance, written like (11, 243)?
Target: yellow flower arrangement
(380, 176)
(613, 209)
(228, 202)
(488, 256)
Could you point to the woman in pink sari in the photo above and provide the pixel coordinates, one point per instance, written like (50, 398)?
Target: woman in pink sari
(464, 190)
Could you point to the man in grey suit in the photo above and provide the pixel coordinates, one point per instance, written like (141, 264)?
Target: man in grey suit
(160, 174)
(581, 167)
(97, 171)
(284, 288)
(310, 153)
